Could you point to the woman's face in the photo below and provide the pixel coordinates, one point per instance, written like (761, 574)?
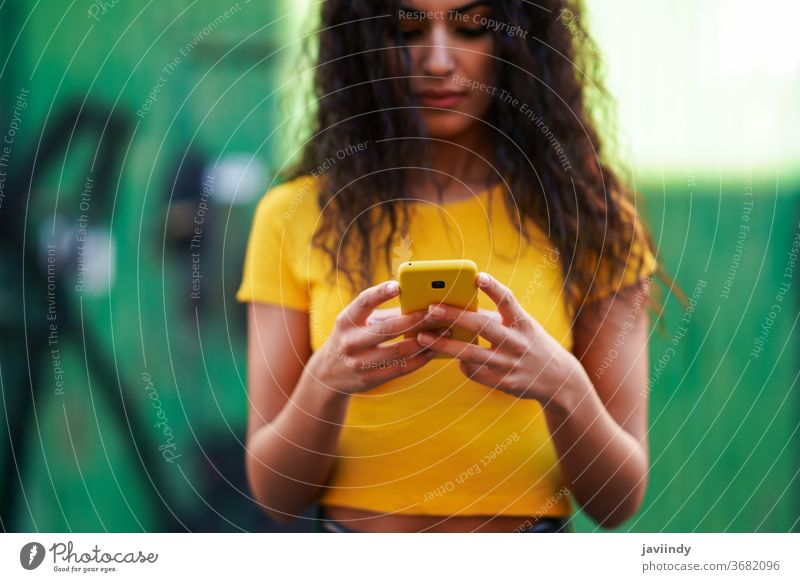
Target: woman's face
(451, 47)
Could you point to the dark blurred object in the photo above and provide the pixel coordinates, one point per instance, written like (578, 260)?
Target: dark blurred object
(25, 273)
(226, 503)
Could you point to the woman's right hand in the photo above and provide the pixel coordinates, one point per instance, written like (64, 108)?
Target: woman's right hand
(352, 361)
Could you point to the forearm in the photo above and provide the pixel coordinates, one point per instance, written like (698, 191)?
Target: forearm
(290, 459)
(605, 466)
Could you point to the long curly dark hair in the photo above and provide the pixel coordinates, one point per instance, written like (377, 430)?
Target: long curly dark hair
(572, 193)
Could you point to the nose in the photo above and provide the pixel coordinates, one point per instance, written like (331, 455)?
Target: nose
(439, 60)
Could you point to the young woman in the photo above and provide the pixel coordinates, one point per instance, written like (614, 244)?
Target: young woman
(450, 129)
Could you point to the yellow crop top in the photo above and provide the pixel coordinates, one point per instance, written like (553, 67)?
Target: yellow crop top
(430, 442)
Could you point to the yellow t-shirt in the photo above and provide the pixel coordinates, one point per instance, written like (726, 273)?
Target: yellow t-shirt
(432, 441)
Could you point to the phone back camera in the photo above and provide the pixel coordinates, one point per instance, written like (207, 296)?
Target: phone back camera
(437, 284)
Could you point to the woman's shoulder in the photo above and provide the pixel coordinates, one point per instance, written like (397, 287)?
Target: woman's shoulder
(291, 199)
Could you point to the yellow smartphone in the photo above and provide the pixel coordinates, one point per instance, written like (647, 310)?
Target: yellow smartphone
(448, 281)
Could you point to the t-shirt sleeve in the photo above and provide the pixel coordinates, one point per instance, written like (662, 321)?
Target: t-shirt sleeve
(640, 252)
(272, 259)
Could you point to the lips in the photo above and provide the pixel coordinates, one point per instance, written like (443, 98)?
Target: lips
(443, 99)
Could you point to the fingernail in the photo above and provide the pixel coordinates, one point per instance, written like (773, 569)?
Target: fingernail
(425, 337)
(392, 287)
(435, 310)
(482, 279)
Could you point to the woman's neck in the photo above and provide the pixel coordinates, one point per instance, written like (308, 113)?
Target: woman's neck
(458, 166)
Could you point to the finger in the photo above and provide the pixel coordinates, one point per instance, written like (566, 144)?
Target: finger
(492, 313)
(480, 323)
(465, 351)
(372, 335)
(441, 331)
(503, 297)
(383, 314)
(478, 373)
(366, 301)
(390, 372)
(392, 351)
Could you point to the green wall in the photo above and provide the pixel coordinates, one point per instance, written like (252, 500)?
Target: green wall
(723, 422)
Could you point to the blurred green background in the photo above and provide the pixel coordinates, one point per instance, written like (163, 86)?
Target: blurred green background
(123, 387)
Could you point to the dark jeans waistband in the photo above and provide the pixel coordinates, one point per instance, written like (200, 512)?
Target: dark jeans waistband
(542, 525)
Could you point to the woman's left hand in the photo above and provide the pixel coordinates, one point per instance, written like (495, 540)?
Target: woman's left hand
(524, 360)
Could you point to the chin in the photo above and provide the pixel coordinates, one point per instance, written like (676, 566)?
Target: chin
(445, 125)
